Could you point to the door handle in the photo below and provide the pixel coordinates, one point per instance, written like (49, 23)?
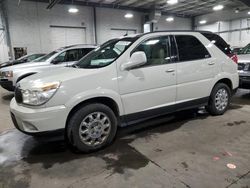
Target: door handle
(170, 70)
(211, 63)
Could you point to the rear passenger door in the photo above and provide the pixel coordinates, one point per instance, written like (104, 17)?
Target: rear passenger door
(195, 69)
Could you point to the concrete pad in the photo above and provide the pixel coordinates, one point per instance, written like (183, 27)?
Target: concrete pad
(186, 149)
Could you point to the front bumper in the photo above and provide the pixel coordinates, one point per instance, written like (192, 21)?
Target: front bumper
(6, 84)
(244, 82)
(38, 121)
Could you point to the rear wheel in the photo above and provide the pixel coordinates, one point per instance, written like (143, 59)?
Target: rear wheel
(219, 100)
(92, 127)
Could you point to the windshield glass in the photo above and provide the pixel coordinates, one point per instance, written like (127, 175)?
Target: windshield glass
(46, 57)
(21, 58)
(106, 53)
(245, 50)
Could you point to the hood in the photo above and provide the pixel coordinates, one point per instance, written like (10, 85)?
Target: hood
(244, 58)
(23, 65)
(59, 74)
(10, 63)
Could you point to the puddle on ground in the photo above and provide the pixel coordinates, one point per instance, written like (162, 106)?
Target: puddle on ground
(235, 123)
(11, 146)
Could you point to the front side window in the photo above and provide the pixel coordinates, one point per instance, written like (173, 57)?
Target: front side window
(157, 51)
(190, 48)
(59, 59)
(106, 54)
(69, 56)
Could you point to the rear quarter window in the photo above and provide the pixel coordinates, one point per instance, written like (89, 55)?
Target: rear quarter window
(190, 48)
(219, 42)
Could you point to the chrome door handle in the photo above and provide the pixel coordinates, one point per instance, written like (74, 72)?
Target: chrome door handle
(211, 63)
(170, 70)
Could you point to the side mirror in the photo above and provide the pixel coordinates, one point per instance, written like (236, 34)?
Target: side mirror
(25, 60)
(137, 59)
(55, 61)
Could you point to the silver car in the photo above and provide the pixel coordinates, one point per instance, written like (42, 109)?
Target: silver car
(244, 67)
(62, 57)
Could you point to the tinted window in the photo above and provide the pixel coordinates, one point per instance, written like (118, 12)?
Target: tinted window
(72, 55)
(84, 51)
(219, 42)
(67, 56)
(190, 48)
(156, 50)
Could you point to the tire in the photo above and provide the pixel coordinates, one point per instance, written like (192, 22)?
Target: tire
(91, 128)
(218, 107)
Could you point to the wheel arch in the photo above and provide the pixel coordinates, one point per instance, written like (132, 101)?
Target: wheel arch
(111, 103)
(24, 76)
(226, 81)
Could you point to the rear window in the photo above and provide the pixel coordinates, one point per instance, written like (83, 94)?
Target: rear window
(219, 42)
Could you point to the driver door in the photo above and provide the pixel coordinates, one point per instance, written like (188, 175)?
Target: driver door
(151, 87)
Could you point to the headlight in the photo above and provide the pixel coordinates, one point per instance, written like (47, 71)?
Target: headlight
(39, 94)
(7, 74)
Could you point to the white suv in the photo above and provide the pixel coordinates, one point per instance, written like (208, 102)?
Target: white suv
(125, 81)
(66, 56)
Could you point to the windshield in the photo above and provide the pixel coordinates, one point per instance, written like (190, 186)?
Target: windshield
(245, 50)
(106, 53)
(46, 57)
(21, 58)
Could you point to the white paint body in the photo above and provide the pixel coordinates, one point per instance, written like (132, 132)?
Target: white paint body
(135, 90)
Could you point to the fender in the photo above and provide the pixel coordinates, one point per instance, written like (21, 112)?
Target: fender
(90, 94)
(22, 77)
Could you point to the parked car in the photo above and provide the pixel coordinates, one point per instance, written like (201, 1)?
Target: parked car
(24, 59)
(244, 67)
(125, 81)
(66, 56)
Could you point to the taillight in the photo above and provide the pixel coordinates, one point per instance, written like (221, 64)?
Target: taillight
(234, 57)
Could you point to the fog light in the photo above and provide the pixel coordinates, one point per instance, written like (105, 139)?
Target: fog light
(29, 127)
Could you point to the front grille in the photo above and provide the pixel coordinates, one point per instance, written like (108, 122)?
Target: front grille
(244, 66)
(241, 66)
(18, 95)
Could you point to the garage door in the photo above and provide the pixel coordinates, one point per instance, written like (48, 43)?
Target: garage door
(61, 37)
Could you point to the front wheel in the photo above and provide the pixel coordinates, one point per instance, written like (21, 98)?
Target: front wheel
(92, 127)
(219, 100)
